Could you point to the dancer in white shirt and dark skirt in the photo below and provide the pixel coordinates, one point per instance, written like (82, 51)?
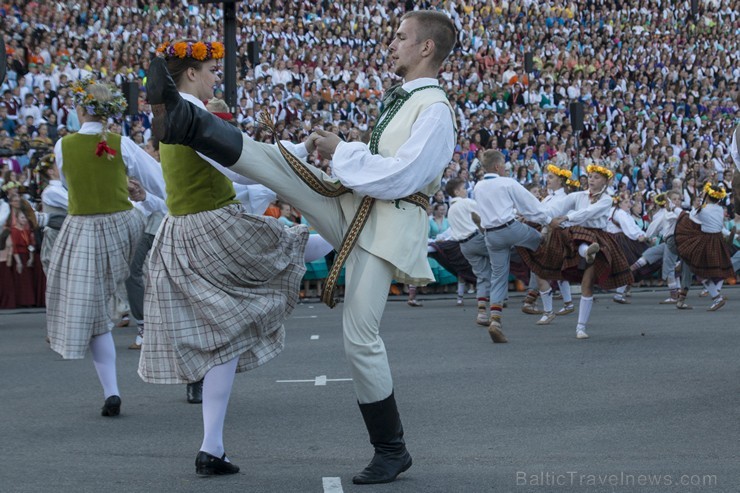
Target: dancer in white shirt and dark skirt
(701, 245)
(578, 247)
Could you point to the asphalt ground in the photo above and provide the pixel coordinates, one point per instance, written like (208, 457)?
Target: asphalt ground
(649, 403)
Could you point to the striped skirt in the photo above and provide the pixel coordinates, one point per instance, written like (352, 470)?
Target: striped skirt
(220, 285)
(557, 258)
(708, 254)
(89, 266)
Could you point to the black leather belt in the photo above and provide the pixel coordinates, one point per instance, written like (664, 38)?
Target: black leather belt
(475, 233)
(496, 228)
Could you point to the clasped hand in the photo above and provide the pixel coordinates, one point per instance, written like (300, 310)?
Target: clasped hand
(324, 142)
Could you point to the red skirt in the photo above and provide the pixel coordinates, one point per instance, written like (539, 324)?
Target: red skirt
(708, 254)
(25, 289)
(7, 287)
(557, 258)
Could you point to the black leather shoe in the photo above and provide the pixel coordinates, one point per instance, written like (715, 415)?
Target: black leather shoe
(209, 465)
(112, 406)
(177, 121)
(386, 434)
(195, 392)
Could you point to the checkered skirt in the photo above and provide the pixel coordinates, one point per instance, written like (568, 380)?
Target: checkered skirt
(557, 258)
(633, 250)
(220, 285)
(707, 254)
(89, 266)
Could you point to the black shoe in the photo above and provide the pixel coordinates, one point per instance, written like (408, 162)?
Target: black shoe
(209, 465)
(112, 406)
(177, 121)
(195, 392)
(386, 434)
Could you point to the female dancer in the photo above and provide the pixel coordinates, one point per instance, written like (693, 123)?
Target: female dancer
(211, 261)
(578, 247)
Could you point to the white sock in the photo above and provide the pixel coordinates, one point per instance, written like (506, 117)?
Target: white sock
(565, 291)
(672, 284)
(216, 391)
(712, 288)
(704, 283)
(719, 285)
(104, 358)
(460, 289)
(546, 297)
(641, 262)
(582, 250)
(621, 289)
(584, 310)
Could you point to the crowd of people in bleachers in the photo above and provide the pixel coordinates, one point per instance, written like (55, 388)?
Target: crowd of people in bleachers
(658, 82)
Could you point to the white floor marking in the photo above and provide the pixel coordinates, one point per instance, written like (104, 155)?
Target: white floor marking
(332, 485)
(318, 381)
(314, 338)
(308, 316)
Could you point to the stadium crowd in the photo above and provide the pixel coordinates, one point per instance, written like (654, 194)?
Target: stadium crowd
(659, 84)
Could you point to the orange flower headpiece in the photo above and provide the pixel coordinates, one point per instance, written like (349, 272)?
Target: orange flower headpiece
(714, 191)
(199, 50)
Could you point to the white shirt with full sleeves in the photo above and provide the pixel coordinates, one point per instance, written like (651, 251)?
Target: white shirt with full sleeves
(587, 214)
(621, 222)
(500, 198)
(711, 217)
(139, 164)
(460, 218)
(418, 162)
(554, 201)
(55, 195)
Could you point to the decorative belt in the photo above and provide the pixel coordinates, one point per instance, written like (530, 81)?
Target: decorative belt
(496, 228)
(358, 221)
(465, 240)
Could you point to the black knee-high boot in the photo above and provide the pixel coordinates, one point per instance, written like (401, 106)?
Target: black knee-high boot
(386, 434)
(177, 121)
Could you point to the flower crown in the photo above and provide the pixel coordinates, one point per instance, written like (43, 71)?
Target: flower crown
(716, 193)
(112, 108)
(47, 161)
(563, 173)
(573, 183)
(661, 199)
(10, 185)
(593, 168)
(185, 49)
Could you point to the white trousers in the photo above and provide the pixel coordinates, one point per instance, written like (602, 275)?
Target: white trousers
(367, 277)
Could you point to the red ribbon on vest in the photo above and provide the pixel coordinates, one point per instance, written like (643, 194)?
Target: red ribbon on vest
(103, 147)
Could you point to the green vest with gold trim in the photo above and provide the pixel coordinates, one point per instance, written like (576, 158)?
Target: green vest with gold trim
(97, 185)
(192, 184)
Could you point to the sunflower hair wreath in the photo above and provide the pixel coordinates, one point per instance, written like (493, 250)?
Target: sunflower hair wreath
(715, 193)
(593, 168)
(199, 50)
(563, 173)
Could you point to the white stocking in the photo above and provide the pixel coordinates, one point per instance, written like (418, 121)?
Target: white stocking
(546, 297)
(584, 310)
(582, 250)
(216, 391)
(104, 358)
(565, 291)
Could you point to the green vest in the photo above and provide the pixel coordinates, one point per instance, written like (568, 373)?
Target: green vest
(192, 184)
(97, 185)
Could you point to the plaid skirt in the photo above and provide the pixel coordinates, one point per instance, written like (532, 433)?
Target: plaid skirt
(557, 258)
(449, 256)
(88, 268)
(708, 254)
(220, 285)
(633, 250)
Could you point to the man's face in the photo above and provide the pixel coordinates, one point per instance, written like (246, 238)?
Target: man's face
(405, 48)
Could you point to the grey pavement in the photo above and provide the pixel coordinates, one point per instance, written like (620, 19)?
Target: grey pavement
(649, 402)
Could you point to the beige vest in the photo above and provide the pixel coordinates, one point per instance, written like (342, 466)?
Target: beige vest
(396, 230)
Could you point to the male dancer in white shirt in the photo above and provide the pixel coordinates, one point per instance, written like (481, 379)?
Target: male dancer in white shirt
(500, 199)
(410, 147)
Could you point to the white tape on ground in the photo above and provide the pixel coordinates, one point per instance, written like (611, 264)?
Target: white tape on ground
(332, 485)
